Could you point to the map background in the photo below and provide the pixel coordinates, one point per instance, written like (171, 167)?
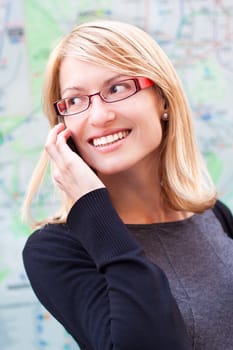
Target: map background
(197, 36)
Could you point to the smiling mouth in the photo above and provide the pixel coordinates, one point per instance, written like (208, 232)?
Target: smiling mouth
(110, 139)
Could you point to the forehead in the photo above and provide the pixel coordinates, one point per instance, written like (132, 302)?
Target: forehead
(74, 72)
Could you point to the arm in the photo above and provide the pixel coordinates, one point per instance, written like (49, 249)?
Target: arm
(95, 279)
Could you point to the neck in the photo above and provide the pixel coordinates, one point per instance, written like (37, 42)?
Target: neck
(137, 198)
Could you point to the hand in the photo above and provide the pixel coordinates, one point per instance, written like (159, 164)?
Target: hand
(70, 172)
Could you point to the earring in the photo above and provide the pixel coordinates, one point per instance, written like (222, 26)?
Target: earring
(165, 117)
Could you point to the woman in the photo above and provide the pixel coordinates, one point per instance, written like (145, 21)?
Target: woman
(136, 256)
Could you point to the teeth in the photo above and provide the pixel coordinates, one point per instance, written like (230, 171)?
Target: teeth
(105, 140)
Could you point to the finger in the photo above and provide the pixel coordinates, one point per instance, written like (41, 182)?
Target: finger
(63, 136)
(52, 135)
(51, 141)
(59, 151)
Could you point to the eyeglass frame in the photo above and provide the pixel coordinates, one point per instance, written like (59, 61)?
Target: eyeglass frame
(141, 83)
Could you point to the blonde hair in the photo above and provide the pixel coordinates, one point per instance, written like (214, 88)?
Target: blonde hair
(124, 48)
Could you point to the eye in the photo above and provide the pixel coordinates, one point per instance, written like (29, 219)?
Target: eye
(119, 88)
(73, 104)
(74, 100)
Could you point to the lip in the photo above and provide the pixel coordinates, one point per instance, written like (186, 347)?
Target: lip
(115, 137)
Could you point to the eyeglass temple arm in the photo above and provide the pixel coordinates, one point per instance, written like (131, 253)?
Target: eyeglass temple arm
(145, 82)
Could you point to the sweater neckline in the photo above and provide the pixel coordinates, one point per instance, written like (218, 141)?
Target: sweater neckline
(193, 219)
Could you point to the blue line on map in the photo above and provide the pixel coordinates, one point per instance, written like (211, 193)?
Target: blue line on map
(206, 116)
(39, 328)
(43, 343)
(40, 317)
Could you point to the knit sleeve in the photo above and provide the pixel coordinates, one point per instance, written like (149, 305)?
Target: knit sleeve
(95, 279)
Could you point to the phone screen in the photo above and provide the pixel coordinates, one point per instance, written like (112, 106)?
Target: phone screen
(71, 144)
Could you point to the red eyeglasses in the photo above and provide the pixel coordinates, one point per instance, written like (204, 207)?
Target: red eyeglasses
(115, 92)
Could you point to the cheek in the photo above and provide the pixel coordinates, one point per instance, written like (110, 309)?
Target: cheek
(151, 114)
(152, 129)
(155, 132)
(76, 127)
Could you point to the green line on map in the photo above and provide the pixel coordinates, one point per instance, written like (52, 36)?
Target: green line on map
(3, 274)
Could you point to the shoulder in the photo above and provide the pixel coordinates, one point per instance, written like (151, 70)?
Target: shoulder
(51, 246)
(52, 238)
(47, 232)
(224, 215)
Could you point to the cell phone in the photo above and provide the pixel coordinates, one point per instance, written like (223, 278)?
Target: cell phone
(70, 141)
(71, 144)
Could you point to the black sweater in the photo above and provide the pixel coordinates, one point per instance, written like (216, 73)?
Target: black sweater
(95, 280)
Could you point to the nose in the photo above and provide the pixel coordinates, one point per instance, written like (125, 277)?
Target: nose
(100, 112)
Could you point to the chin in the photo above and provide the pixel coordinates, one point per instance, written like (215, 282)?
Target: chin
(109, 171)
(112, 168)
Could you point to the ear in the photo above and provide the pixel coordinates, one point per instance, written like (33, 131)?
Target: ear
(166, 103)
(163, 97)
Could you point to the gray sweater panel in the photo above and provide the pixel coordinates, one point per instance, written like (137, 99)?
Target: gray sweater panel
(197, 257)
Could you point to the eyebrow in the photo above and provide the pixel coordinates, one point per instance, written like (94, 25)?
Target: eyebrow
(108, 81)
